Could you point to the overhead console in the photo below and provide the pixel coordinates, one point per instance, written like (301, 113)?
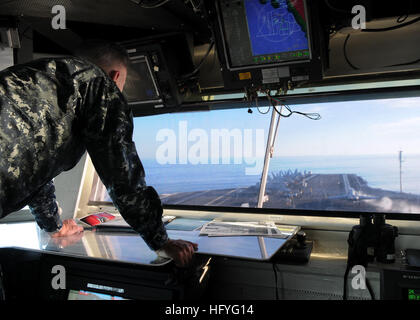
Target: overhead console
(200, 49)
(251, 46)
(256, 47)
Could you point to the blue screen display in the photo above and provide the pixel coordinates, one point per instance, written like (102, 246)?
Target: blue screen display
(275, 29)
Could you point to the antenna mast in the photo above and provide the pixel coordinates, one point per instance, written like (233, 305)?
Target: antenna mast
(401, 171)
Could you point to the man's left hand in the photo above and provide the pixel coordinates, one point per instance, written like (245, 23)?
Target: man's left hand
(69, 228)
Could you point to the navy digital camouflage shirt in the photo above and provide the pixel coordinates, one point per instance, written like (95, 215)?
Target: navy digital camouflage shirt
(51, 112)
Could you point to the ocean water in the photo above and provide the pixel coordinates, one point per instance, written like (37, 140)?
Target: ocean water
(381, 171)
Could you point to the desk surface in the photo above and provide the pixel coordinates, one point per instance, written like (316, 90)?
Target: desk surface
(130, 247)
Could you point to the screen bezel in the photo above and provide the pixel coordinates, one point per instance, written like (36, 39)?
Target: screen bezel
(141, 58)
(227, 57)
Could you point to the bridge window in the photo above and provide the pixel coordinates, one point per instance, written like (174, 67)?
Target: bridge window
(360, 156)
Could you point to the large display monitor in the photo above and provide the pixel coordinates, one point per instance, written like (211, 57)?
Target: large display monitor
(268, 44)
(258, 32)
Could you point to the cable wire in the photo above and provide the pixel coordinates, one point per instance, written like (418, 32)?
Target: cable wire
(398, 26)
(402, 18)
(268, 110)
(275, 277)
(404, 64)
(274, 102)
(345, 54)
(405, 16)
(258, 107)
(327, 2)
(312, 116)
(198, 67)
(356, 68)
(150, 6)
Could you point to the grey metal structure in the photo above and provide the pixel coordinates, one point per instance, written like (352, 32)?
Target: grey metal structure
(130, 247)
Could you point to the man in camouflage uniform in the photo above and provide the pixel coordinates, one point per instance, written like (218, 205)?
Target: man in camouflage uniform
(51, 112)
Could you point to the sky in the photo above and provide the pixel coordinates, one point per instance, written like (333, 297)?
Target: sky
(346, 128)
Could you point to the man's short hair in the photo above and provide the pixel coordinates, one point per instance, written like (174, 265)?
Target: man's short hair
(103, 53)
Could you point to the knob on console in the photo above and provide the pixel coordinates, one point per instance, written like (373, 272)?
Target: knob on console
(301, 239)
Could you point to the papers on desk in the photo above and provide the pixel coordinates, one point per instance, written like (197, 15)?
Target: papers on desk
(187, 224)
(96, 219)
(263, 229)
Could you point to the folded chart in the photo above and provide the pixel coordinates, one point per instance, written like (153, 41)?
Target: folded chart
(264, 229)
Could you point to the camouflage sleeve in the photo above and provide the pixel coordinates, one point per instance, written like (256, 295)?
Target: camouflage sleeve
(45, 209)
(108, 132)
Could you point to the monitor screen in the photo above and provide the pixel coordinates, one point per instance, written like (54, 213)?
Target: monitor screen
(261, 32)
(141, 85)
(88, 295)
(412, 294)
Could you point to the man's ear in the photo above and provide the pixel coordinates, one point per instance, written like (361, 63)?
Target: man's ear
(114, 74)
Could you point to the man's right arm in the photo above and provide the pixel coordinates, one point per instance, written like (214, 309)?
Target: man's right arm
(108, 134)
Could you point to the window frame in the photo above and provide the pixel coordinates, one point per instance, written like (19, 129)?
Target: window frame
(403, 88)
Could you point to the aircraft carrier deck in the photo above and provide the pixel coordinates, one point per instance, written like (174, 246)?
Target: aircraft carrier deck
(294, 190)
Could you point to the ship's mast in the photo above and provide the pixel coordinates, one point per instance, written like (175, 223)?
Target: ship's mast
(400, 171)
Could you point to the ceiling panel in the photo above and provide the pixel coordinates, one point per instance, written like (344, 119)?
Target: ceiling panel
(113, 12)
